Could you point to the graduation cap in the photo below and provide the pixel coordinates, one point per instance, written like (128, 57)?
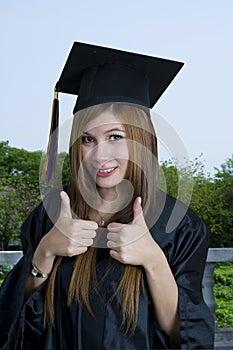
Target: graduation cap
(98, 75)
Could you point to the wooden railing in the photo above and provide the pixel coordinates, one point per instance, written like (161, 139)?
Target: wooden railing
(10, 257)
(223, 337)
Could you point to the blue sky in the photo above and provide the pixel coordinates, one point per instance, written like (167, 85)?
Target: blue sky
(36, 37)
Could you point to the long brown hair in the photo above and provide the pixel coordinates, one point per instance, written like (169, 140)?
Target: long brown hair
(142, 174)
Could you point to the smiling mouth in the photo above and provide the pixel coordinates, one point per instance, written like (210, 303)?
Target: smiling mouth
(105, 172)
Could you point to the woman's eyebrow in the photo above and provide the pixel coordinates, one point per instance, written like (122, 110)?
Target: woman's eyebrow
(107, 131)
(115, 129)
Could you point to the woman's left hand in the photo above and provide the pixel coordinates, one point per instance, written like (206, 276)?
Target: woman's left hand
(132, 243)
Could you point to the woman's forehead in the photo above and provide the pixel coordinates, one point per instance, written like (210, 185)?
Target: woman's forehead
(105, 120)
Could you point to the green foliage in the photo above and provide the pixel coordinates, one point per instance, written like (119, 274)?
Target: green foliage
(211, 197)
(65, 165)
(17, 199)
(223, 290)
(19, 162)
(3, 272)
(19, 189)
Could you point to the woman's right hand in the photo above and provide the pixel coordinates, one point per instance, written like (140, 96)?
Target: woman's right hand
(68, 237)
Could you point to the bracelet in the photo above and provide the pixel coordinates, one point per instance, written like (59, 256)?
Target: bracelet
(37, 273)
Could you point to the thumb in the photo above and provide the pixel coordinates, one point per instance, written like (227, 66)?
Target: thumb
(65, 210)
(138, 217)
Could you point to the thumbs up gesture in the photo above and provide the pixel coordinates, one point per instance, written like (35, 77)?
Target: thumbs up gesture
(69, 236)
(130, 243)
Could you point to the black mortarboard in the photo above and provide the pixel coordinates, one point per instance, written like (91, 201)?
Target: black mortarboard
(99, 75)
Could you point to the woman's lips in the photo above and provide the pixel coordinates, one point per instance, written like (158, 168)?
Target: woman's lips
(105, 172)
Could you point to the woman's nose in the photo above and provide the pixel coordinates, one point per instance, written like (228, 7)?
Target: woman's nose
(101, 152)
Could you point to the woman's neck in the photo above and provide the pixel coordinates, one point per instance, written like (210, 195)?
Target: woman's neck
(112, 201)
(109, 203)
(107, 194)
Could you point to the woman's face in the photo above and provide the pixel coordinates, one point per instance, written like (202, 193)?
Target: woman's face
(105, 151)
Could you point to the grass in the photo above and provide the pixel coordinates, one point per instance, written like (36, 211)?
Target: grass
(4, 269)
(223, 291)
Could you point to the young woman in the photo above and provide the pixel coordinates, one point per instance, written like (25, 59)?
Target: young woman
(105, 274)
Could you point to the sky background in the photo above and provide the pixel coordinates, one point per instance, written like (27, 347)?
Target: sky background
(36, 37)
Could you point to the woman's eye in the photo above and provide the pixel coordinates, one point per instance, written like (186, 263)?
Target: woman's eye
(87, 139)
(115, 137)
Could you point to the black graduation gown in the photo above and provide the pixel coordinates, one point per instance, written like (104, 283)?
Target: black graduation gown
(21, 322)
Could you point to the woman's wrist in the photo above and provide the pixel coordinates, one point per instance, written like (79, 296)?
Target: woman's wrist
(42, 260)
(155, 259)
(43, 265)
(35, 272)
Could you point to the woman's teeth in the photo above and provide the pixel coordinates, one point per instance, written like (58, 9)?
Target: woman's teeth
(105, 170)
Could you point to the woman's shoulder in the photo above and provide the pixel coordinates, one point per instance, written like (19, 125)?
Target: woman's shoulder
(180, 232)
(41, 219)
(48, 206)
(176, 219)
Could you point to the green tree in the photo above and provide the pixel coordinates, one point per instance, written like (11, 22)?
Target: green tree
(224, 193)
(19, 162)
(19, 189)
(212, 196)
(212, 199)
(18, 197)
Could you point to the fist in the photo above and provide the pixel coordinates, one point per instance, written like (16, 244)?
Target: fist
(129, 243)
(69, 236)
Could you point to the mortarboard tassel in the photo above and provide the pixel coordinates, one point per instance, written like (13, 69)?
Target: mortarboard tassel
(49, 167)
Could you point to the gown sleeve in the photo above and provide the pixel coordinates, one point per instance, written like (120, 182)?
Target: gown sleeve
(12, 290)
(196, 321)
(186, 251)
